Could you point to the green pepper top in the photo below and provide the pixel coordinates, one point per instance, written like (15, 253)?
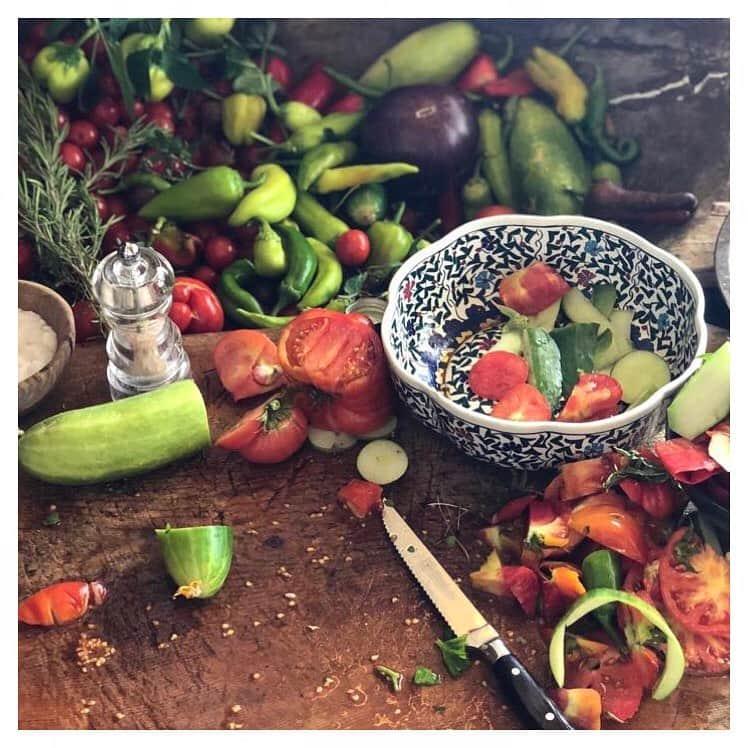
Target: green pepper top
(62, 69)
(390, 241)
(208, 32)
(160, 83)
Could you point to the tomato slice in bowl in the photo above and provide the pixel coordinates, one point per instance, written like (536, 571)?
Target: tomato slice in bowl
(594, 396)
(532, 289)
(497, 372)
(523, 402)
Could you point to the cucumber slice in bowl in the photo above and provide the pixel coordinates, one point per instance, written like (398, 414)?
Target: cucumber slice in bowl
(330, 441)
(382, 461)
(675, 662)
(640, 374)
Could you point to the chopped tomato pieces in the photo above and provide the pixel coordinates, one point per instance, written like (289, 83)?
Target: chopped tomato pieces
(657, 499)
(524, 585)
(581, 706)
(361, 496)
(579, 479)
(532, 289)
(594, 396)
(612, 527)
(686, 461)
(523, 402)
(512, 509)
(496, 372)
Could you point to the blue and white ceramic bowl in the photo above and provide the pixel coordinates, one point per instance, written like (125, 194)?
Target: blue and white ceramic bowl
(443, 312)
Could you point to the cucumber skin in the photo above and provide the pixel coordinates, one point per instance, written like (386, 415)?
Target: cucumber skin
(117, 439)
(544, 358)
(576, 343)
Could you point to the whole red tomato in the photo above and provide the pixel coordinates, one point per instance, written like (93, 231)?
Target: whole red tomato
(206, 274)
(247, 363)
(26, 258)
(206, 312)
(117, 206)
(220, 252)
(102, 207)
(83, 133)
(160, 114)
(86, 322)
(72, 156)
(106, 113)
(115, 237)
(353, 248)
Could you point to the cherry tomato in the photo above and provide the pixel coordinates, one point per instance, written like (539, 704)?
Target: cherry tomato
(160, 114)
(494, 210)
(115, 237)
(102, 207)
(26, 258)
(220, 252)
(83, 133)
(117, 206)
(108, 84)
(206, 274)
(206, 310)
(205, 230)
(247, 363)
(523, 402)
(38, 32)
(495, 373)
(612, 527)
(532, 289)
(106, 113)
(86, 322)
(695, 584)
(353, 248)
(63, 118)
(594, 396)
(269, 433)
(72, 156)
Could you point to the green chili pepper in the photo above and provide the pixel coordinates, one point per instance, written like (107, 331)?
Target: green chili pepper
(337, 180)
(323, 157)
(273, 200)
(302, 265)
(317, 221)
(495, 162)
(390, 242)
(593, 127)
(335, 125)
(61, 69)
(241, 115)
(268, 255)
(552, 74)
(476, 194)
(208, 32)
(145, 179)
(232, 290)
(605, 170)
(367, 205)
(603, 569)
(296, 116)
(198, 559)
(254, 319)
(211, 194)
(160, 83)
(329, 277)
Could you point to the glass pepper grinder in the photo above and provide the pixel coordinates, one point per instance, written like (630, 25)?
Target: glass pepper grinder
(133, 287)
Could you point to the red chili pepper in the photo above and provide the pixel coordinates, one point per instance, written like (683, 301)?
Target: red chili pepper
(516, 83)
(481, 70)
(196, 308)
(350, 103)
(316, 90)
(450, 208)
(687, 462)
(61, 603)
(280, 71)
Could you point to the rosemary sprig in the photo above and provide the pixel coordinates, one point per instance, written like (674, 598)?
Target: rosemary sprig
(637, 467)
(55, 207)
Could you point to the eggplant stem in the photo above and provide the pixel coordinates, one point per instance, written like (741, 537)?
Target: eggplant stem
(193, 589)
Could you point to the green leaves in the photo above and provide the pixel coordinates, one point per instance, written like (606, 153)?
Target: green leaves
(138, 67)
(182, 73)
(425, 677)
(454, 654)
(639, 468)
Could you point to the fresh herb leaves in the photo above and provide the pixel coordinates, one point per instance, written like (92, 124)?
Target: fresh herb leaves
(637, 467)
(454, 654)
(425, 677)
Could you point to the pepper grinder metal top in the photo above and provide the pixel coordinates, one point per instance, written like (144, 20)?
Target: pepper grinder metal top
(133, 287)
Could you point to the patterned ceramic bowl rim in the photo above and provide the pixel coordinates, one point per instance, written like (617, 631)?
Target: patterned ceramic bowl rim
(556, 427)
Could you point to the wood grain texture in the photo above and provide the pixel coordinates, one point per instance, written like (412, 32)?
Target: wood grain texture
(351, 585)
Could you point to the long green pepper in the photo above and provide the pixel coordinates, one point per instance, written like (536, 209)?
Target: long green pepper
(315, 220)
(495, 162)
(322, 157)
(273, 200)
(337, 180)
(235, 298)
(302, 265)
(327, 281)
(331, 127)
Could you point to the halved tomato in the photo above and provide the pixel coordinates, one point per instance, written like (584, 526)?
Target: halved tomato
(496, 372)
(532, 289)
(695, 584)
(523, 402)
(594, 396)
(705, 654)
(247, 363)
(612, 527)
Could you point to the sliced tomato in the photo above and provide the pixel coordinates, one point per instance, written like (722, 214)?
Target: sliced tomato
(496, 372)
(513, 509)
(705, 654)
(523, 402)
(612, 527)
(524, 585)
(594, 396)
(686, 461)
(553, 490)
(247, 363)
(361, 496)
(657, 499)
(585, 477)
(581, 706)
(532, 289)
(695, 584)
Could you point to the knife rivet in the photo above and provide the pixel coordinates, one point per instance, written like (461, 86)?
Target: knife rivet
(515, 671)
(550, 717)
(410, 549)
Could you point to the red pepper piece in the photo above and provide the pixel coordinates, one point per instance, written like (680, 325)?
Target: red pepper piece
(280, 71)
(478, 73)
(316, 90)
(196, 308)
(516, 83)
(350, 103)
(361, 497)
(687, 462)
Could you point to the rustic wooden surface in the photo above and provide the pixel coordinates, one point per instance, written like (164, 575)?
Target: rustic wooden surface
(175, 667)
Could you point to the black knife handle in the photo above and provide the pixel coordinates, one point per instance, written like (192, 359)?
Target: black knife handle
(539, 710)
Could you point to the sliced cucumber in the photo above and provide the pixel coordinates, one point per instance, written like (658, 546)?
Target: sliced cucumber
(546, 318)
(544, 359)
(510, 340)
(578, 308)
(604, 298)
(576, 343)
(620, 339)
(387, 430)
(620, 322)
(330, 441)
(640, 373)
(382, 461)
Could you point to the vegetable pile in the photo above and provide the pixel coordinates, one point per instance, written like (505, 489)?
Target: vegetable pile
(283, 192)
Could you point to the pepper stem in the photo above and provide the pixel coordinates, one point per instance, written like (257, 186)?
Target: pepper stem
(506, 58)
(266, 141)
(250, 185)
(367, 91)
(571, 41)
(193, 589)
(399, 212)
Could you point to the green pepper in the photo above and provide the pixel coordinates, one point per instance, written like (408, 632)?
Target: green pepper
(476, 194)
(495, 162)
(418, 245)
(232, 290)
(337, 180)
(255, 320)
(323, 157)
(302, 265)
(268, 255)
(208, 32)
(241, 115)
(317, 221)
(273, 200)
(61, 69)
(198, 559)
(145, 179)
(390, 241)
(296, 115)
(603, 569)
(605, 170)
(329, 277)
(593, 127)
(335, 125)
(552, 74)
(160, 83)
(367, 205)
(211, 194)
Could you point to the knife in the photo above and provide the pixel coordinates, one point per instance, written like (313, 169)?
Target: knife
(538, 711)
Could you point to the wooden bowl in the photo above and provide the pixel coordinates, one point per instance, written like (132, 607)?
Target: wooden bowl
(56, 312)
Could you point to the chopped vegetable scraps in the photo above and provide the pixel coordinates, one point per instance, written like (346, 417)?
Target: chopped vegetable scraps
(425, 677)
(394, 678)
(454, 654)
(686, 461)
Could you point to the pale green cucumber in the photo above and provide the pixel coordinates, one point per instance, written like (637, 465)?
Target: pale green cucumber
(620, 341)
(640, 374)
(578, 308)
(510, 340)
(546, 318)
(118, 439)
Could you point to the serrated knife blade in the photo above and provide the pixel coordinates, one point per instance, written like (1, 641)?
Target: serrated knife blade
(466, 620)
